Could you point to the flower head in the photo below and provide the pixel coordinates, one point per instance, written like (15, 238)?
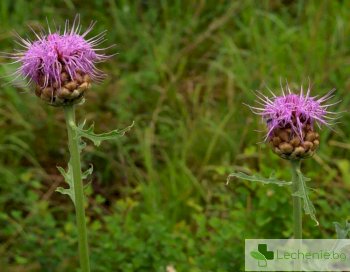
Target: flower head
(291, 119)
(61, 65)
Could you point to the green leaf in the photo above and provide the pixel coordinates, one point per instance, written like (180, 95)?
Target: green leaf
(68, 177)
(257, 255)
(82, 145)
(342, 232)
(88, 172)
(303, 193)
(68, 192)
(98, 138)
(270, 180)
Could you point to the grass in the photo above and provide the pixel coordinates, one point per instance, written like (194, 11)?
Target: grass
(158, 196)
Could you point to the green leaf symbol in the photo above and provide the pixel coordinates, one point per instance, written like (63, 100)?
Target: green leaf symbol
(257, 255)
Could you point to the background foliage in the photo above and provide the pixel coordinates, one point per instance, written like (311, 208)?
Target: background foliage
(183, 71)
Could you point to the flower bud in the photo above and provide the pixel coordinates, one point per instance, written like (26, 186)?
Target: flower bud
(291, 118)
(292, 147)
(69, 91)
(61, 66)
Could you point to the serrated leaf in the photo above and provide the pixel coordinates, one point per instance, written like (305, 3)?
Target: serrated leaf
(270, 180)
(342, 232)
(82, 145)
(98, 138)
(303, 193)
(88, 172)
(68, 192)
(257, 255)
(68, 177)
(342, 236)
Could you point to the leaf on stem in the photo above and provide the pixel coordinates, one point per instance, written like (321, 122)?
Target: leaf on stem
(98, 138)
(88, 172)
(270, 180)
(68, 177)
(81, 145)
(303, 192)
(342, 232)
(342, 236)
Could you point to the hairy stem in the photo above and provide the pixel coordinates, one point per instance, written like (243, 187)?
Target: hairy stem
(73, 140)
(297, 209)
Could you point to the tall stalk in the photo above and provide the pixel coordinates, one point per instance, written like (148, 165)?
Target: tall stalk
(297, 212)
(73, 140)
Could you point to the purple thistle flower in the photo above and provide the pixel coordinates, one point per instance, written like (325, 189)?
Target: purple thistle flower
(294, 111)
(290, 119)
(55, 59)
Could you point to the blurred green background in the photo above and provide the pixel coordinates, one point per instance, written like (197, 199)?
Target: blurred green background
(158, 198)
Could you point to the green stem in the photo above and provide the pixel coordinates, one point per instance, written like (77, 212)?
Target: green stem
(297, 212)
(69, 112)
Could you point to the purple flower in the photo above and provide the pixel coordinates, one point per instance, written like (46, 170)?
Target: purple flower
(42, 61)
(296, 112)
(61, 64)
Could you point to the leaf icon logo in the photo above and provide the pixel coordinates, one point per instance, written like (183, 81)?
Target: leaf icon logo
(262, 262)
(262, 255)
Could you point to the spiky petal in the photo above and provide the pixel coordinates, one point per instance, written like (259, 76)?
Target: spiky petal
(55, 59)
(294, 111)
(290, 119)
